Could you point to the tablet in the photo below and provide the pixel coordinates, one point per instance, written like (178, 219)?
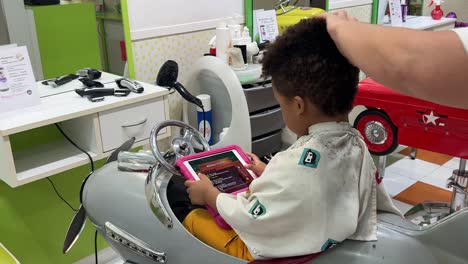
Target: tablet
(225, 167)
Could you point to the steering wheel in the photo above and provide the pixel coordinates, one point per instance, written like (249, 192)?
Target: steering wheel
(182, 145)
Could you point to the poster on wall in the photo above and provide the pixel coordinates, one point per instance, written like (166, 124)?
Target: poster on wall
(17, 83)
(266, 25)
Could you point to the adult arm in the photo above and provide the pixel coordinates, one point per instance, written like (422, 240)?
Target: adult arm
(431, 65)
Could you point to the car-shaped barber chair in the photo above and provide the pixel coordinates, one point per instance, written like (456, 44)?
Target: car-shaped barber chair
(392, 118)
(134, 212)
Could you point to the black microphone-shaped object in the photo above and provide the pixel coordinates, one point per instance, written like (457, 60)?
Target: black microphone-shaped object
(167, 77)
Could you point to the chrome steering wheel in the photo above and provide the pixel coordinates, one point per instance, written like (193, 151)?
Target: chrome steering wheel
(181, 146)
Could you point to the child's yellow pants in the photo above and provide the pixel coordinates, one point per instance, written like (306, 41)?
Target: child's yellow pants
(202, 225)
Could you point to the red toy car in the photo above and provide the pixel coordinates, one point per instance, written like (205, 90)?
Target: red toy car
(392, 118)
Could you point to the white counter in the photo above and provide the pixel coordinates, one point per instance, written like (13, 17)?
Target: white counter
(427, 23)
(98, 128)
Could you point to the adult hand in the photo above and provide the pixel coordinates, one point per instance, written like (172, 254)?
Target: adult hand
(198, 190)
(257, 165)
(334, 20)
(338, 25)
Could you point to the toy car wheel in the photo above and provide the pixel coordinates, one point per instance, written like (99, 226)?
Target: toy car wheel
(378, 130)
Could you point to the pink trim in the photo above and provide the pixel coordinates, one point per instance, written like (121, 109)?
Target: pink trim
(186, 173)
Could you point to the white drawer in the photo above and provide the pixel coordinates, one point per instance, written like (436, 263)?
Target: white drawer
(135, 120)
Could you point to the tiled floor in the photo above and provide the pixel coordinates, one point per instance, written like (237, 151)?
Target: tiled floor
(422, 179)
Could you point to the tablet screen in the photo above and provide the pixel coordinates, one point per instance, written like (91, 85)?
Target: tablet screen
(226, 170)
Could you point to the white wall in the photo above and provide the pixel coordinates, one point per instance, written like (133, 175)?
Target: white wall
(150, 53)
(22, 30)
(4, 39)
(150, 19)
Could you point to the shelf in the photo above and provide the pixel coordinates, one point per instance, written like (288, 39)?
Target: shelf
(66, 106)
(53, 158)
(48, 159)
(424, 22)
(80, 120)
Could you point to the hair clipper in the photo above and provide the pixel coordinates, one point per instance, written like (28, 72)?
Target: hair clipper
(132, 85)
(56, 82)
(89, 73)
(98, 92)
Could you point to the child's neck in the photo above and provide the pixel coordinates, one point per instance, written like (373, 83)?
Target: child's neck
(313, 120)
(325, 119)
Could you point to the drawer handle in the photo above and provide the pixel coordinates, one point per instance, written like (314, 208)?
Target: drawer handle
(137, 124)
(266, 113)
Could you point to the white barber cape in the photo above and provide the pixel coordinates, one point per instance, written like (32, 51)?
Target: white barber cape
(463, 35)
(319, 192)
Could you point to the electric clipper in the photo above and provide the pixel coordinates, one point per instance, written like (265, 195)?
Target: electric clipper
(90, 83)
(89, 73)
(99, 92)
(56, 82)
(132, 85)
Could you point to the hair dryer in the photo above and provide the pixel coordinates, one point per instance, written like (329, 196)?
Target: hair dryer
(167, 77)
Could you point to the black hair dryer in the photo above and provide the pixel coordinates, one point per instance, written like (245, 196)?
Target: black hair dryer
(167, 77)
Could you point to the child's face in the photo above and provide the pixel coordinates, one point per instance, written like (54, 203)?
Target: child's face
(292, 110)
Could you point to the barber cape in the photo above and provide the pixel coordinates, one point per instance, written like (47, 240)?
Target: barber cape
(322, 190)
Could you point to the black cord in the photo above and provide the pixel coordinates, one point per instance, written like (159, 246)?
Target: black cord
(92, 169)
(95, 248)
(171, 90)
(76, 146)
(60, 196)
(204, 122)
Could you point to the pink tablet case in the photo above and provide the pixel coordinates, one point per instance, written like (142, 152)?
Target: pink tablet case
(186, 173)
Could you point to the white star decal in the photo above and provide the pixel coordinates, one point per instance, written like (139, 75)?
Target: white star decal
(430, 118)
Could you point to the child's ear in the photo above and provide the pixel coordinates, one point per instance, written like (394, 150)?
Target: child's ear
(299, 105)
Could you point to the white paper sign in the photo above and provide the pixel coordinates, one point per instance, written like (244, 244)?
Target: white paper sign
(395, 12)
(267, 26)
(17, 84)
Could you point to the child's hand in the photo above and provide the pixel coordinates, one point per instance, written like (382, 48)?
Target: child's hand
(199, 191)
(257, 165)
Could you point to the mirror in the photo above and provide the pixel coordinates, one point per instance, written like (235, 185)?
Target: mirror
(364, 10)
(288, 12)
(270, 4)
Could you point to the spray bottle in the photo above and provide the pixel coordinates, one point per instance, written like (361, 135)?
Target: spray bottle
(204, 117)
(437, 13)
(404, 10)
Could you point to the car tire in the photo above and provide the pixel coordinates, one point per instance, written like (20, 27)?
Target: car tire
(378, 131)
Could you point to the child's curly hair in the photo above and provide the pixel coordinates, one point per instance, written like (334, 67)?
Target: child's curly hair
(305, 62)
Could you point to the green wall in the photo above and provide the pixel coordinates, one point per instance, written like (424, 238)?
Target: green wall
(33, 220)
(68, 38)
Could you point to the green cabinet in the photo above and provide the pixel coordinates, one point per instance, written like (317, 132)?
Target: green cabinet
(68, 38)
